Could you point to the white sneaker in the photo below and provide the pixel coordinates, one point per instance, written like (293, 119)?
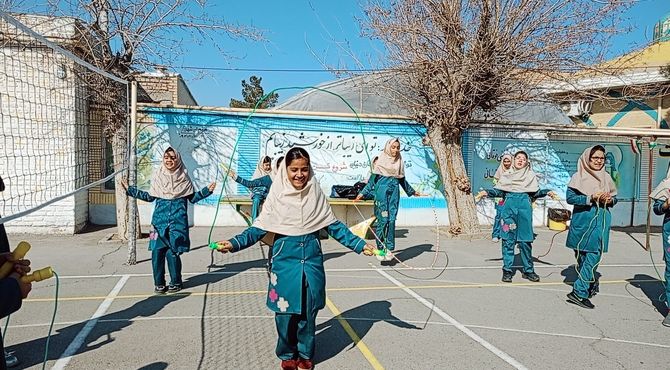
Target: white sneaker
(389, 256)
(380, 257)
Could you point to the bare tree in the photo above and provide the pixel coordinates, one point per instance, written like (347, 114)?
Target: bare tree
(126, 36)
(458, 58)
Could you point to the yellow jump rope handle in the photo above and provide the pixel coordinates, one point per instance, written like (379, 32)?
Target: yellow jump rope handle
(18, 254)
(38, 275)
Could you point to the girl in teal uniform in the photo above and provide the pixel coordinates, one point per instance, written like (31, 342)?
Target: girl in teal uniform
(260, 184)
(592, 192)
(294, 212)
(518, 188)
(388, 174)
(171, 188)
(505, 166)
(661, 196)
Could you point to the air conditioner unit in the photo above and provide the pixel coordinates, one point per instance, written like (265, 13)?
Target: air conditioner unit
(579, 108)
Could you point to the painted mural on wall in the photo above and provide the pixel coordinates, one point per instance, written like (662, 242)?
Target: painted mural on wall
(554, 161)
(344, 158)
(203, 149)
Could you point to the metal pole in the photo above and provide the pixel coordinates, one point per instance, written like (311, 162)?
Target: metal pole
(132, 176)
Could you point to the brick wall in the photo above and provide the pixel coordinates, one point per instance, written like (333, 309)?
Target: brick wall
(44, 155)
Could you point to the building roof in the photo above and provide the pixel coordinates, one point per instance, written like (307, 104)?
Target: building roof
(371, 94)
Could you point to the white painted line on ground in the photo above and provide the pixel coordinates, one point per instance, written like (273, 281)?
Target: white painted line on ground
(260, 270)
(79, 340)
(493, 349)
(325, 318)
(570, 336)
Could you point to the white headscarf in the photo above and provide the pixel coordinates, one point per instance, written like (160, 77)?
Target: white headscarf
(288, 211)
(662, 190)
(518, 180)
(388, 165)
(589, 181)
(173, 184)
(260, 172)
(501, 167)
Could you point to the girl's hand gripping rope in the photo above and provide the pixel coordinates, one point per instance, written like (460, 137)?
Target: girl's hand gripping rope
(369, 250)
(480, 195)
(553, 195)
(211, 187)
(223, 246)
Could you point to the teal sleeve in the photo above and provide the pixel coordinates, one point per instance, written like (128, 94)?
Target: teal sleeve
(369, 187)
(615, 200)
(572, 197)
(494, 193)
(249, 237)
(344, 236)
(407, 187)
(134, 192)
(200, 195)
(541, 193)
(658, 207)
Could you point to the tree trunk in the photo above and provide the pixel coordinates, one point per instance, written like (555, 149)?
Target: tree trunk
(457, 189)
(119, 151)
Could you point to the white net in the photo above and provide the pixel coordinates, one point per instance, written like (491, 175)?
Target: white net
(48, 156)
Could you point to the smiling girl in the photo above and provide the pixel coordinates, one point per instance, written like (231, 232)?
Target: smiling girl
(171, 189)
(518, 188)
(294, 212)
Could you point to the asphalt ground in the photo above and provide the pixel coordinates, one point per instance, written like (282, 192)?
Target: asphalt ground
(416, 316)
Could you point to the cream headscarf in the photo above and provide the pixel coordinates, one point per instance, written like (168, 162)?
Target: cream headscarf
(662, 190)
(387, 165)
(589, 181)
(501, 168)
(166, 184)
(288, 211)
(518, 180)
(260, 172)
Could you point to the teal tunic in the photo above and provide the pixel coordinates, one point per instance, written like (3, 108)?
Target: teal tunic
(590, 225)
(516, 214)
(658, 209)
(386, 191)
(170, 219)
(295, 258)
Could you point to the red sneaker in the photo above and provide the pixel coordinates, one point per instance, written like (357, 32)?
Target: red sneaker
(289, 364)
(305, 364)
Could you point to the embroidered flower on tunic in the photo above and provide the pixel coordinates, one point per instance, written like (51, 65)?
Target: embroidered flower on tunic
(505, 227)
(273, 295)
(512, 226)
(153, 235)
(501, 202)
(282, 304)
(273, 278)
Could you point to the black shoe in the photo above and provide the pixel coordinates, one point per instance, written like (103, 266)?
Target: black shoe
(174, 288)
(581, 302)
(507, 276)
(160, 289)
(531, 276)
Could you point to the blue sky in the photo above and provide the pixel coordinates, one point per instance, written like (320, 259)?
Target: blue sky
(301, 34)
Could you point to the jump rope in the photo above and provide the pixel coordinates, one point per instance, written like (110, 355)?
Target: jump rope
(384, 251)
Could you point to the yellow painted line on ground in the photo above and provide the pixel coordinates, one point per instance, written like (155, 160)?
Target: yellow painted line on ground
(344, 289)
(352, 334)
